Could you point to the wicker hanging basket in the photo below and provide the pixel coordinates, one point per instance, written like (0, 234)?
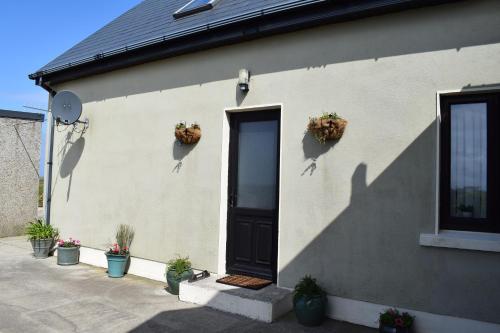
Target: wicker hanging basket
(327, 127)
(188, 135)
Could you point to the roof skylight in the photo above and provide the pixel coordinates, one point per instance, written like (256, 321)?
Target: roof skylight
(194, 6)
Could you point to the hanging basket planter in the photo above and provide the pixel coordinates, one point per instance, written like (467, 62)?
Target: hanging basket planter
(329, 126)
(187, 135)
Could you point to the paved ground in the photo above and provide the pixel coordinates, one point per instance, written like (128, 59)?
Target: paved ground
(38, 296)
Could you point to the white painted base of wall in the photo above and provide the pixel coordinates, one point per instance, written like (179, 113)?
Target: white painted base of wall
(141, 267)
(366, 314)
(344, 309)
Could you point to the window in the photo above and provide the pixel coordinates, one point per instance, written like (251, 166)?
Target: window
(194, 6)
(470, 162)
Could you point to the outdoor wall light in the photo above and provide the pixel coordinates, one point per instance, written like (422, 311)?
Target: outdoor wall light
(243, 79)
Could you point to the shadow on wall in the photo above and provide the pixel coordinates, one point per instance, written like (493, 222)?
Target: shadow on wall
(179, 152)
(312, 150)
(70, 152)
(371, 252)
(410, 32)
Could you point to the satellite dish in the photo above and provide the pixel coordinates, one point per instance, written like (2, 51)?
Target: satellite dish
(66, 107)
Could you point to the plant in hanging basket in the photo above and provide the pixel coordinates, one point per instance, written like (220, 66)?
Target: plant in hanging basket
(187, 135)
(329, 126)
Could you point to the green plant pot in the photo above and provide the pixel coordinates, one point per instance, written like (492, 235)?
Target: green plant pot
(42, 247)
(310, 311)
(173, 281)
(116, 265)
(68, 255)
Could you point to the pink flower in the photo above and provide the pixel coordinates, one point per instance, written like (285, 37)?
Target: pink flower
(399, 322)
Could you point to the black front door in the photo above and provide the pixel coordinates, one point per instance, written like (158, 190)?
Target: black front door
(252, 226)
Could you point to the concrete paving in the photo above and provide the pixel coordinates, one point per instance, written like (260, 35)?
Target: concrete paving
(37, 295)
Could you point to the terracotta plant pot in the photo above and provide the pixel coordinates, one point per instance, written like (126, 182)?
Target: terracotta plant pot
(327, 129)
(188, 135)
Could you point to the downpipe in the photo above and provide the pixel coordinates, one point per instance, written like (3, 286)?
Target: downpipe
(49, 147)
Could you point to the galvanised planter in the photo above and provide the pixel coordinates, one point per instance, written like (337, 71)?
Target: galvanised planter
(116, 265)
(68, 255)
(310, 311)
(42, 247)
(173, 280)
(390, 329)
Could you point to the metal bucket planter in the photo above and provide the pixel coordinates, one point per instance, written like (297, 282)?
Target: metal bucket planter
(68, 255)
(116, 265)
(390, 329)
(310, 311)
(173, 280)
(42, 247)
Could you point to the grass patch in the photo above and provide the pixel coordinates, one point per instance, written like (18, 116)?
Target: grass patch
(40, 192)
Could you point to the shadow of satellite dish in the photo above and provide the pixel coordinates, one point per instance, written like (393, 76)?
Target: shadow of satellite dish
(72, 157)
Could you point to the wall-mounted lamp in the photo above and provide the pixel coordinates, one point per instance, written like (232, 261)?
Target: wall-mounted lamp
(243, 79)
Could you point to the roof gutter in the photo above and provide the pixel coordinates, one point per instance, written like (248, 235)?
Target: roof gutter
(272, 20)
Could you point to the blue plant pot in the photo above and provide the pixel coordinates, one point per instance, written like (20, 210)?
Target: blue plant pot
(116, 265)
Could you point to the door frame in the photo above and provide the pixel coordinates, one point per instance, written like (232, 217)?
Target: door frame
(224, 181)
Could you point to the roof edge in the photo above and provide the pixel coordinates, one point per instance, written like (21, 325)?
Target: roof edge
(230, 31)
(22, 115)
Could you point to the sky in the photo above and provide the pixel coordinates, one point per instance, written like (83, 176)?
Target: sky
(33, 32)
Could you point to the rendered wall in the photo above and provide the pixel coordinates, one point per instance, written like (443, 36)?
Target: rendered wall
(19, 163)
(351, 213)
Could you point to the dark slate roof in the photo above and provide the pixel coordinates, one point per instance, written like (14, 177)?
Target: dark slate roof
(152, 21)
(21, 115)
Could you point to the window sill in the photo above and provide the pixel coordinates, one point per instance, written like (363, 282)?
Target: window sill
(465, 240)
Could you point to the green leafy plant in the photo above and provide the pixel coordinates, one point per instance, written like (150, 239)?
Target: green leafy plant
(308, 288)
(179, 265)
(333, 116)
(124, 237)
(393, 318)
(38, 229)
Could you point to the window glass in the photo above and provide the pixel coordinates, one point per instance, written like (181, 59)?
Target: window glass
(257, 164)
(468, 174)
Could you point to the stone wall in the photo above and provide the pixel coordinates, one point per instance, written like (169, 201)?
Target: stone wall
(20, 140)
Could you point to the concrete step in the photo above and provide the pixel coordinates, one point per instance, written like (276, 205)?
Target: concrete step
(266, 304)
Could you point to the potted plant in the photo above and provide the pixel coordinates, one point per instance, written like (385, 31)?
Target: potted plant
(309, 302)
(118, 254)
(42, 237)
(328, 126)
(178, 270)
(187, 135)
(392, 321)
(68, 252)
(466, 210)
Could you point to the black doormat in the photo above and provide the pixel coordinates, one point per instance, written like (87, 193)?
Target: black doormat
(244, 282)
